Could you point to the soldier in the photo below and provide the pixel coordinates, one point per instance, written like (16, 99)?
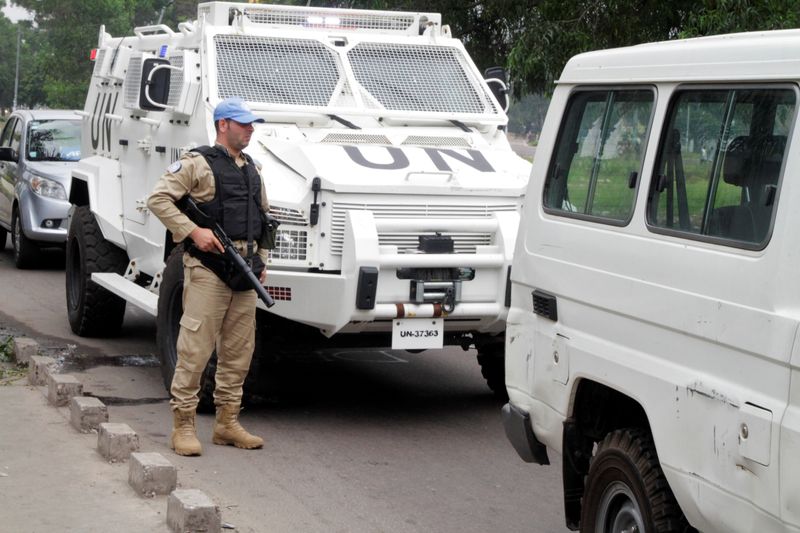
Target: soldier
(226, 185)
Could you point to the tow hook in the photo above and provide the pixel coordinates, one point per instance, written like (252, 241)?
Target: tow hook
(449, 300)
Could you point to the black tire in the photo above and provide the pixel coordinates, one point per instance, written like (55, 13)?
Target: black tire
(170, 310)
(626, 488)
(3, 234)
(26, 252)
(491, 358)
(93, 311)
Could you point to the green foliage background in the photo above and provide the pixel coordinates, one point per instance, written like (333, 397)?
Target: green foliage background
(532, 38)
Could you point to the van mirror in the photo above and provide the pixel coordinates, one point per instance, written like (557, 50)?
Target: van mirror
(154, 89)
(496, 78)
(8, 154)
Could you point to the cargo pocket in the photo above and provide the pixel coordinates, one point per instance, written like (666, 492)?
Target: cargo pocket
(190, 323)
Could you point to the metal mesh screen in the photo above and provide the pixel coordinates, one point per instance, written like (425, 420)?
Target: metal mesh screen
(424, 140)
(132, 80)
(418, 78)
(275, 15)
(276, 71)
(98, 61)
(355, 138)
(175, 79)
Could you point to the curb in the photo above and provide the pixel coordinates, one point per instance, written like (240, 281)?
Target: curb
(149, 474)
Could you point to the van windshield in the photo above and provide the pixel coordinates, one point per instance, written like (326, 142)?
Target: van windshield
(54, 140)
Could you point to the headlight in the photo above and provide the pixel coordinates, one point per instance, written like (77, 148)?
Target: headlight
(290, 244)
(45, 187)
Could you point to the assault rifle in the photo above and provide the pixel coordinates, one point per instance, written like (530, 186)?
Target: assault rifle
(190, 209)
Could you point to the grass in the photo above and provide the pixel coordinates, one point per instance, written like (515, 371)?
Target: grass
(9, 371)
(614, 199)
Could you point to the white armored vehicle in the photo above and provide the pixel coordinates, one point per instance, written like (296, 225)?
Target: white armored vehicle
(383, 154)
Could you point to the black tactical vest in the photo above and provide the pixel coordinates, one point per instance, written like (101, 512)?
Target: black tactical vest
(229, 207)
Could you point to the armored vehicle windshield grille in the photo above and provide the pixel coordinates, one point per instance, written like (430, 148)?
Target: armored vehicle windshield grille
(418, 78)
(464, 242)
(277, 71)
(355, 138)
(325, 19)
(424, 140)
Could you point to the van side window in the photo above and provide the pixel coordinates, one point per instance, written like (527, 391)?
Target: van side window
(719, 162)
(598, 155)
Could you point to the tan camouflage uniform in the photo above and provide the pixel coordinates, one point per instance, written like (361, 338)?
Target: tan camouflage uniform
(214, 316)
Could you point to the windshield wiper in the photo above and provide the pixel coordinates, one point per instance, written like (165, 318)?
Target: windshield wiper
(344, 122)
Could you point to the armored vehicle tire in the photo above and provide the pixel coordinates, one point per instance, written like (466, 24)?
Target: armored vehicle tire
(26, 253)
(3, 234)
(170, 310)
(93, 311)
(491, 358)
(626, 489)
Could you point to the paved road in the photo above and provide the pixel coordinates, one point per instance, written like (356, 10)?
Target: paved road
(356, 441)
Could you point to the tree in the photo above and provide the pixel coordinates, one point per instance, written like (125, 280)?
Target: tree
(68, 31)
(731, 16)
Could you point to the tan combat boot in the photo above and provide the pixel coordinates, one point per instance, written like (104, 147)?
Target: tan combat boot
(228, 430)
(184, 439)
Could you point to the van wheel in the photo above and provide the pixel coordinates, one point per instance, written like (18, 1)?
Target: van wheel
(626, 489)
(491, 358)
(26, 253)
(92, 310)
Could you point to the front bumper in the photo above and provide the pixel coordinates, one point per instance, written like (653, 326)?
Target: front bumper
(35, 210)
(519, 432)
(368, 292)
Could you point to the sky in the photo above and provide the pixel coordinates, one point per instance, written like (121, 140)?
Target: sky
(15, 13)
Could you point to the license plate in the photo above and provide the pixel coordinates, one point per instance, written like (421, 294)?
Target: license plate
(417, 333)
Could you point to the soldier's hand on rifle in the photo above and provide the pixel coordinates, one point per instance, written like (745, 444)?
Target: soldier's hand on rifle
(205, 240)
(263, 277)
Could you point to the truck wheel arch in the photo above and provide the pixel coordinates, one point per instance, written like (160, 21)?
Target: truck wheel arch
(596, 410)
(79, 193)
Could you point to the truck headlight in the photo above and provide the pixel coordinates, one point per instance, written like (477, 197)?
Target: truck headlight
(49, 188)
(290, 244)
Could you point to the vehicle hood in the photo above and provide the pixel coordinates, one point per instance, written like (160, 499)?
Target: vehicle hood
(493, 171)
(59, 171)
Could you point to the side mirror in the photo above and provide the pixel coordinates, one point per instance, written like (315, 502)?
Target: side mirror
(8, 154)
(154, 89)
(496, 78)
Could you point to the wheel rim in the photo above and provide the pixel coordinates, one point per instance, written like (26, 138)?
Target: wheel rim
(619, 512)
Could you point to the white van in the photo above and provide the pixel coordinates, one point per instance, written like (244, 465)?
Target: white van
(652, 338)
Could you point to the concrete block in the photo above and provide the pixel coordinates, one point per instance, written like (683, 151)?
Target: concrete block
(62, 387)
(191, 510)
(115, 442)
(39, 368)
(24, 349)
(86, 413)
(151, 473)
